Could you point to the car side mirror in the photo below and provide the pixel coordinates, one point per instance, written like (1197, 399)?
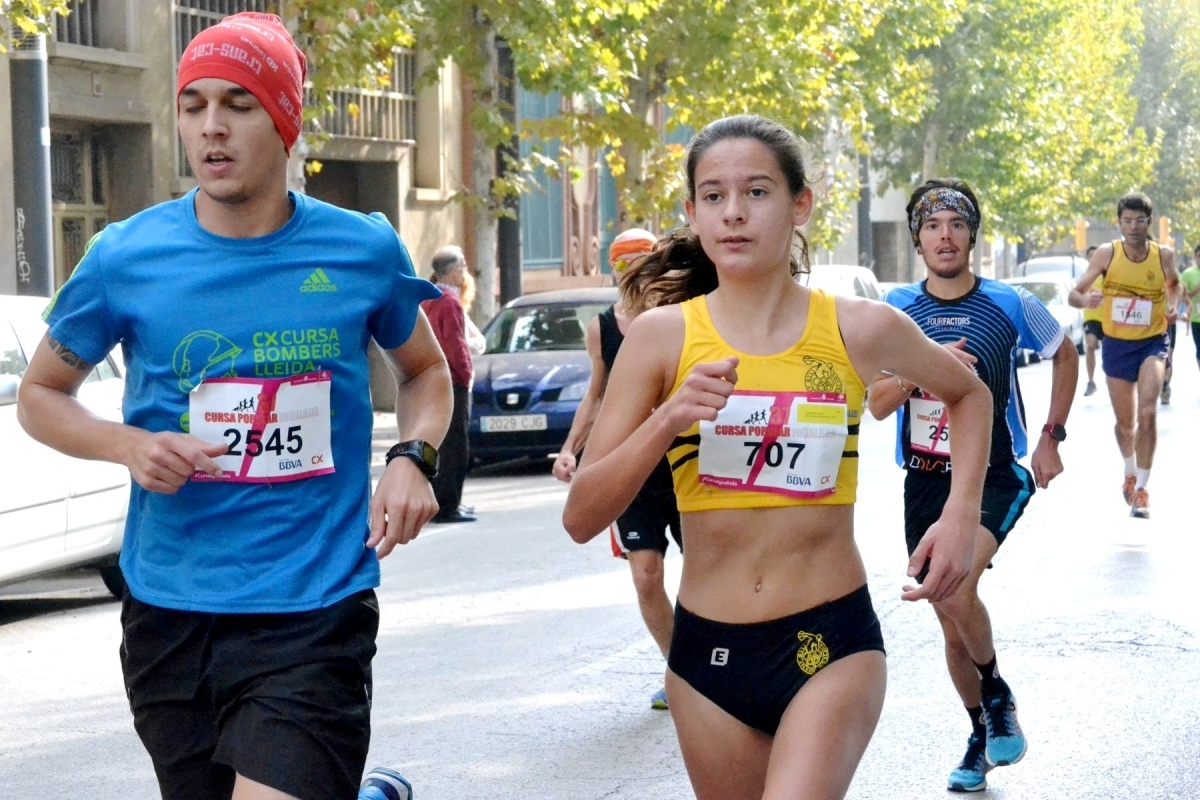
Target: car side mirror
(8, 389)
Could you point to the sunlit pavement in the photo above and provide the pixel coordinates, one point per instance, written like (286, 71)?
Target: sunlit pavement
(513, 663)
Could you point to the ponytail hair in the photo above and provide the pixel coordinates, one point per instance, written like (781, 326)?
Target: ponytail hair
(678, 269)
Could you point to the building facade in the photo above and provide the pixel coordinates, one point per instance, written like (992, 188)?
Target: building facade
(114, 149)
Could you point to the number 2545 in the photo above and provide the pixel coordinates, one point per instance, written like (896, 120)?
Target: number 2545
(255, 446)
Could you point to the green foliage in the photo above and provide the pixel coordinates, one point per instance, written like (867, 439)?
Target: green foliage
(1029, 103)
(30, 17)
(347, 44)
(802, 63)
(1035, 104)
(1167, 90)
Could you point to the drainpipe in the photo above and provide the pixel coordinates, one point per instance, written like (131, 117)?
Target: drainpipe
(30, 98)
(508, 233)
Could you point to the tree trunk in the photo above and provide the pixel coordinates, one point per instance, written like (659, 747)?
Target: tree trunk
(933, 136)
(297, 178)
(640, 103)
(483, 172)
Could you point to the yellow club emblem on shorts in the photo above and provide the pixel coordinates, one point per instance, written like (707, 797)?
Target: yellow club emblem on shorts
(813, 654)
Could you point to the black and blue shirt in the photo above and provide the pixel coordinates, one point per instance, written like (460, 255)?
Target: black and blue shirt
(995, 318)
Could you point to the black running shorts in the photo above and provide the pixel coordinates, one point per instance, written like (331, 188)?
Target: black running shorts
(753, 671)
(1006, 492)
(282, 699)
(652, 513)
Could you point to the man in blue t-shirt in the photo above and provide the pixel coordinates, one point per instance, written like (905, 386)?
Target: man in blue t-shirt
(983, 322)
(251, 551)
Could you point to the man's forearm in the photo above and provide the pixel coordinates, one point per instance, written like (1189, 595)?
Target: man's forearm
(581, 426)
(424, 404)
(1064, 376)
(59, 420)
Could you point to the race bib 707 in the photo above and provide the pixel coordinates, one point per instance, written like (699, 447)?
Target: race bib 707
(786, 443)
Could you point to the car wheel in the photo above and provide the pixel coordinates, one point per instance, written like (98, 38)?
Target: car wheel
(114, 580)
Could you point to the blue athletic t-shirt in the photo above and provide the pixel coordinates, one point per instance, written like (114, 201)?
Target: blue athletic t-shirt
(995, 318)
(186, 306)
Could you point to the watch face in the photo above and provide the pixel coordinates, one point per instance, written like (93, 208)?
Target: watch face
(422, 453)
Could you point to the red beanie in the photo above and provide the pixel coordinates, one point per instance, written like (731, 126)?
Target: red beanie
(257, 53)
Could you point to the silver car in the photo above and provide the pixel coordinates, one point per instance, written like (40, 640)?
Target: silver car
(848, 280)
(55, 511)
(1053, 289)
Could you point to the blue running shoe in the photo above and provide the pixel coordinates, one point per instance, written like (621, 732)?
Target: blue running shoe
(658, 700)
(971, 773)
(382, 783)
(1005, 742)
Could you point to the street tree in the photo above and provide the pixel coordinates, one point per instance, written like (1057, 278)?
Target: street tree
(802, 63)
(27, 18)
(1031, 104)
(633, 70)
(1167, 90)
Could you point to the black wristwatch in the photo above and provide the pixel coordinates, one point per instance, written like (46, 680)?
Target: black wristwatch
(423, 454)
(1057, 432)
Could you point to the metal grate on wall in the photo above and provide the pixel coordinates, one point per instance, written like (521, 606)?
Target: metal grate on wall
(80, 26)
(389, 115)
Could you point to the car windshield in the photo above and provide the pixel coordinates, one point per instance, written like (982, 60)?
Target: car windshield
(1049, 265)
(836, 280)
(525, 329)
(1046, 292)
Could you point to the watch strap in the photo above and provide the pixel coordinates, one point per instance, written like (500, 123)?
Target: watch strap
(423, 454)
(1057, 432)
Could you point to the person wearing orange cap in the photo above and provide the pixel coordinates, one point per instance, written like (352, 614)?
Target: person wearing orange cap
(252, 540)
(640, 534)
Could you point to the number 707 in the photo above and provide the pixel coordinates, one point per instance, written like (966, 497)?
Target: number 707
(774, 453)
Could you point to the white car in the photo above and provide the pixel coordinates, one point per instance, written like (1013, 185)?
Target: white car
(848, 280)
(1053, 288)
(1038, 266)
(55, 511)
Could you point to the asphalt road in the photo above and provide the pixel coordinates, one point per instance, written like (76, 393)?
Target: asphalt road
(513, 663)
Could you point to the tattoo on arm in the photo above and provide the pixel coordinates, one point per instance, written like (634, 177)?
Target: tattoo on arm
(69, 358)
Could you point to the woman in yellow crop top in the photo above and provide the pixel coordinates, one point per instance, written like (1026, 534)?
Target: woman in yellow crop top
(754, 388)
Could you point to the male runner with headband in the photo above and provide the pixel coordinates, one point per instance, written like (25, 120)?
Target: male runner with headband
(981, 321)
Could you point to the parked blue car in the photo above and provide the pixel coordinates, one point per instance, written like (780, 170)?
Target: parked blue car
(534, 372)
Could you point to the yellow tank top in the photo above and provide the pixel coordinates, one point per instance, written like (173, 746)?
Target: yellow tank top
(1095, 314)
(1134, 304)
(788, 435)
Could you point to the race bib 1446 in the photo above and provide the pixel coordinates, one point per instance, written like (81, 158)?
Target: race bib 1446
(1131, 311)
(277, 429)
